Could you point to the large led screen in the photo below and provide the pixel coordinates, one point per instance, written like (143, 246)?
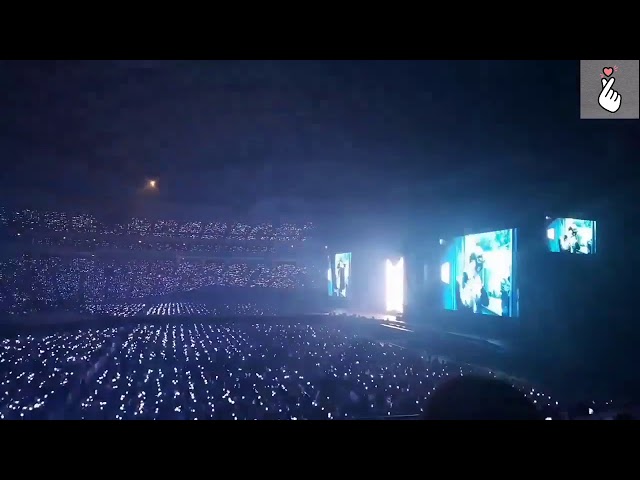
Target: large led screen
(571, 235)
(341, 275)
(394, 286)
(478, 275)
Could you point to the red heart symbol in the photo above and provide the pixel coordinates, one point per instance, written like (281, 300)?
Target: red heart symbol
(607, 71)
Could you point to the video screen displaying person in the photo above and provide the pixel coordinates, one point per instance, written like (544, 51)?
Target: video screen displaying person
(572, 235)
(341, 274)
(477, 274)
(329, 277)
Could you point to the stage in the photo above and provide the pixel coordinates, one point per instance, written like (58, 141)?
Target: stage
(447, 342)
(384, 319)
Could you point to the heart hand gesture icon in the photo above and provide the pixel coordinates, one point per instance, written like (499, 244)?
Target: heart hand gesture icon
(609, 99)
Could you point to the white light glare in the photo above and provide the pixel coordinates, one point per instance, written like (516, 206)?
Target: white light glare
(394, 276)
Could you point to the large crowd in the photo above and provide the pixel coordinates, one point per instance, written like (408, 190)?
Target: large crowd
(28, 285)
(97, 244)
(30, 221)
(64, 261)
(190, 370)
(206, 371)
(185, 309)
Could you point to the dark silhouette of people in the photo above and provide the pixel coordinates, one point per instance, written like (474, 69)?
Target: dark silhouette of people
(479, 398)
(624, 416)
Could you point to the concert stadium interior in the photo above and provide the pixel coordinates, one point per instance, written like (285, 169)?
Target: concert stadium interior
(153, 308)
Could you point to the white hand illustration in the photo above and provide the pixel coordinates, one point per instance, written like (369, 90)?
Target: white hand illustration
(609, 99)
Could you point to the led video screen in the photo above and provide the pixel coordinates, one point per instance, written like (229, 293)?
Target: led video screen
(329, 277)
(477, 274)
(572, 235)
(340, 275)
(394, 286)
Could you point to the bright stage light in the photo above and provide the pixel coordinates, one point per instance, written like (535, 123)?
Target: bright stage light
(394, 276)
